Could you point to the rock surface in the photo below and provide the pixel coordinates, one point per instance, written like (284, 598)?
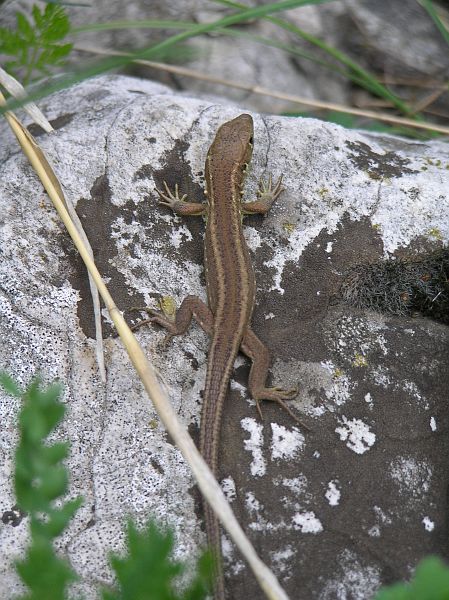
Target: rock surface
(395, 40)
(336, 511)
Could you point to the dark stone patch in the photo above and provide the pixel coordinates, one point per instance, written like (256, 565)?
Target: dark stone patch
(97, 215)
(145, 172)
(377, 165)
(57, 123)
(311, 284)
(193, 360)
(178, 171)
(401, 425)
(96, 96)
(14, 516)
(307, 327)
(157, 466)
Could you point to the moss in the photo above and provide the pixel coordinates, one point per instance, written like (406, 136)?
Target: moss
(402, 287)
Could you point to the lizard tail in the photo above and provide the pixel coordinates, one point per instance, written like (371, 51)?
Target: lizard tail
(220, 364)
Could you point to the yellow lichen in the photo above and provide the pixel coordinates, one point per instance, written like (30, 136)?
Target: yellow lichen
(168, 307)
(288, 227)
(359, 360)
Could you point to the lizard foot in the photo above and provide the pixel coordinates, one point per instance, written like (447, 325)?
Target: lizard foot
(161, 318)
(267, 193)
(179, 205)
(278, 395)
(170, 199)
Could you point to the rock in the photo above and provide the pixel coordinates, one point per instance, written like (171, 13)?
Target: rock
(400, 38)
(233, 58)
(336, 511)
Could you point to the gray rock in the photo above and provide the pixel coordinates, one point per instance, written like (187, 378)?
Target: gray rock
(400, 37)
(234, 59)
(336, 511)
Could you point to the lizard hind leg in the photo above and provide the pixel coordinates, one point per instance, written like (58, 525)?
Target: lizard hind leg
(256, 350)
(177, 321)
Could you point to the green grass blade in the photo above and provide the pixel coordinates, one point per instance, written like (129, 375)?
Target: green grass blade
(362, 76)
(185, 25)
(148, 53)
(428, 5)
(142, 24)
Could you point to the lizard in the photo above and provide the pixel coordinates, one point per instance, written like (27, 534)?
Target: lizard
(231, 287)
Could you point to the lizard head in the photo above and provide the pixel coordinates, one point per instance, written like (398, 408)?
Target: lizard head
(233, 144)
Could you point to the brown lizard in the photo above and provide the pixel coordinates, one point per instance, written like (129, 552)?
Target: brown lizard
(230, 290)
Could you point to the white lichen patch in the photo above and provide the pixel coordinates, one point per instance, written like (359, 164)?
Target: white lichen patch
(419, 213)
(285, 443)
(381, 516)
(356, 434)
(307, 522)
(412, 390)
(228, 487)
(380, 376)
(281, 559)
(254, 445)
(381, 520)
(333, 493)
(339, 390)
(151, 270)
(433, 424)
(429, 525)
(255, 510)
(253, 238)
(179, 235)
(238, 387)
(352, 579)
(412, 475)
(298, 485)
(359, 337)
(369, 400)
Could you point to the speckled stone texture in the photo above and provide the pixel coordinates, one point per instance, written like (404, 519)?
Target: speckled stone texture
(336, 511)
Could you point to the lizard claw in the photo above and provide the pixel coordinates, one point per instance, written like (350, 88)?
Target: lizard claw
(279, 395)
(268, 193)
(171, 199)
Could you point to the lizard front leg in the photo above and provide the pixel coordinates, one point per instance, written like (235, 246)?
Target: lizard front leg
(266, 195)
(180, 205)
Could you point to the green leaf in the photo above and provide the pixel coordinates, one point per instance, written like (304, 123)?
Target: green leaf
(37, 16)
(56, 25)
(9, 385)
(431, 582)
(202, 583)
(148, 573)
(10, 42)
(46, 575)
(53, 55)
(59, 518)
(39, 480)
(24, 28)
(36, 45)
(428, 5)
